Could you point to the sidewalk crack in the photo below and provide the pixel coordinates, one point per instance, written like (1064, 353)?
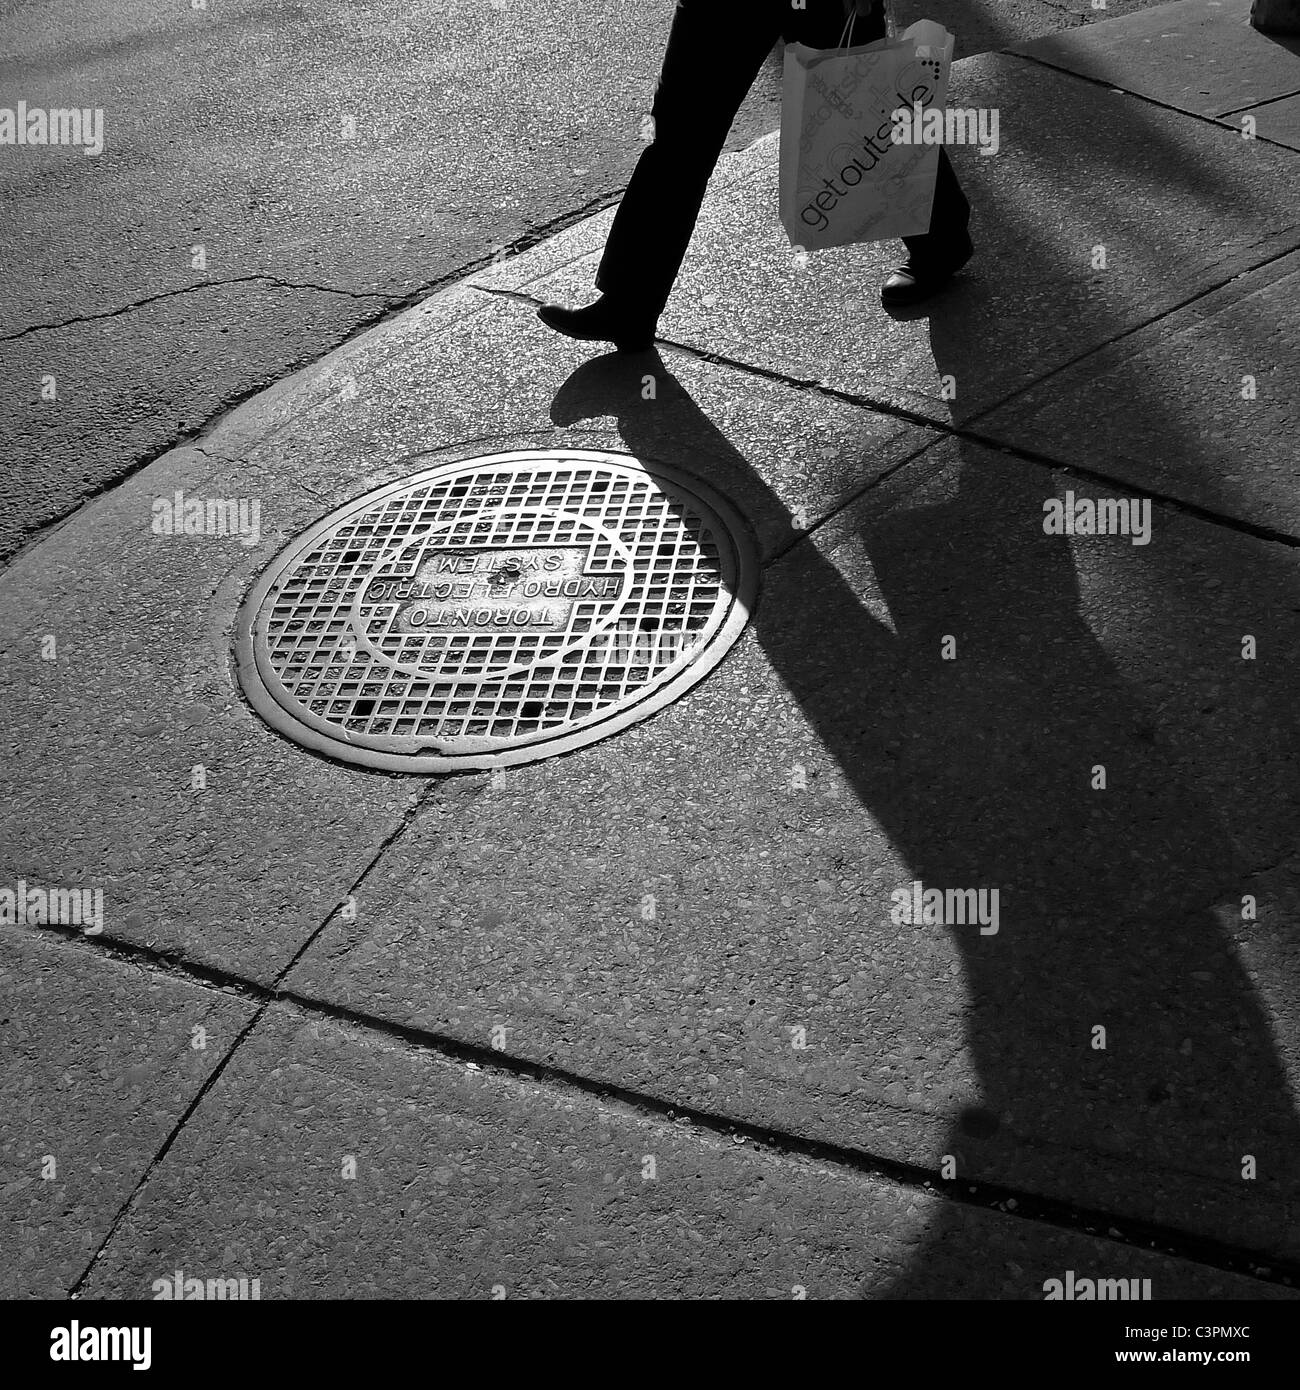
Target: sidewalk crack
(79, 319)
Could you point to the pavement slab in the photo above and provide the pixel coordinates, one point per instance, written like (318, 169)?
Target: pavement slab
(328, 1163)
(130, 763)
(1201, 56)
(49, 470)
(1178, 209)
(701, 910)
(1199, 405)
(102, 1061)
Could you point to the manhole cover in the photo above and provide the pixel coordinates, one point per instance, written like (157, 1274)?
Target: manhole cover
(498, 610)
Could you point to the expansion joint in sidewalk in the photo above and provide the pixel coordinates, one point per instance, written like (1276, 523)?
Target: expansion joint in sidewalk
(1010, 1202)
(969, 435)
(965, 434)
(1218, 122)
(265, 996)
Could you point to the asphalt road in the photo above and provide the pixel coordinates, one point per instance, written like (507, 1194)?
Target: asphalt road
(276, 176)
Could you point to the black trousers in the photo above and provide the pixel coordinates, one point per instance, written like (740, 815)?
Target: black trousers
(715, 51)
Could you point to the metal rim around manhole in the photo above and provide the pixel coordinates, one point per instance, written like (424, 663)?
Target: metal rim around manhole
(496, 610)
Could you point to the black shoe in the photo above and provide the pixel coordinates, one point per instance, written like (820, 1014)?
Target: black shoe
(918, 279)
(629, 330)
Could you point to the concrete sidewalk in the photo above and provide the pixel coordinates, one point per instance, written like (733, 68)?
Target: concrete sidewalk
(439, 1046)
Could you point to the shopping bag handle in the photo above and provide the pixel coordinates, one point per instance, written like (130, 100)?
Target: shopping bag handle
(846, 38)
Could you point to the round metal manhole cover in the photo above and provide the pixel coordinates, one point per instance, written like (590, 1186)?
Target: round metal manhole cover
(495, 611)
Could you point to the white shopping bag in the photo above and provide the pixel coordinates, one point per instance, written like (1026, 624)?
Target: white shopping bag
(843, 177)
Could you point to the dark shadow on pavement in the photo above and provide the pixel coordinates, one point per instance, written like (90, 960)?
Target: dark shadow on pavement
(979, 770)
(1121, 908)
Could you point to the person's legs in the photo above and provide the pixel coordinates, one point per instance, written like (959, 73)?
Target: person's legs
(715, 50)
(949, 219)
(934, 255)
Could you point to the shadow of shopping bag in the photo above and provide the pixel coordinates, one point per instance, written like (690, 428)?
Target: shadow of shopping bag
(844, 177)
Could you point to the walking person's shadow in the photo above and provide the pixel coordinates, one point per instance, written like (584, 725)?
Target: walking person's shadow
(981, 772)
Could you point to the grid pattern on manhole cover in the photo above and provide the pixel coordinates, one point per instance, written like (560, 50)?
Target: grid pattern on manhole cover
(496, 610)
